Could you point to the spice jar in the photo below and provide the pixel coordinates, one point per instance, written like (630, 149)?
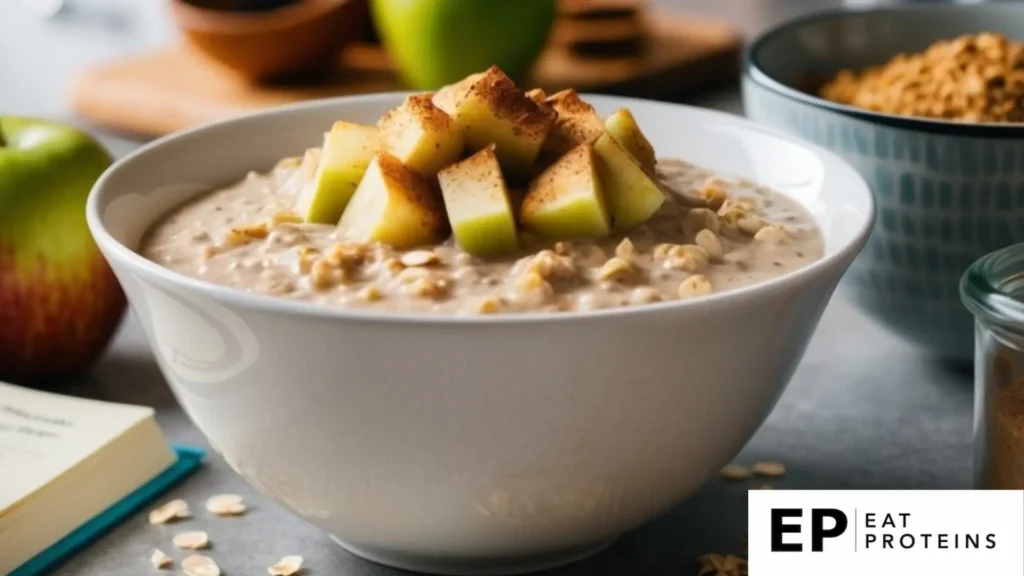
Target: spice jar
(993, 290)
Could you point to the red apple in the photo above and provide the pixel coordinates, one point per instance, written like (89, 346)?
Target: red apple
(59, 301)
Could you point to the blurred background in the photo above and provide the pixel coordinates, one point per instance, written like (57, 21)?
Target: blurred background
(45, 45)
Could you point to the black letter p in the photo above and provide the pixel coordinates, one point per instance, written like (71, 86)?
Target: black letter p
(818, 532)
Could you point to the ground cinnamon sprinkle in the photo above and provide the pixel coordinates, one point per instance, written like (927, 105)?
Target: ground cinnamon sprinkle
(973, 78)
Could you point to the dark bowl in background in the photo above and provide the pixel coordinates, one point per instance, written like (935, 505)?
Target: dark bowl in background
(947, 192)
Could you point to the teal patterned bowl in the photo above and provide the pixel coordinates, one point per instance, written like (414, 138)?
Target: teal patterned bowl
(947, 193)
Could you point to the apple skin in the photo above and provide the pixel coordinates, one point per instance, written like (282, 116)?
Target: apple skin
(60, 303)
(437, 42)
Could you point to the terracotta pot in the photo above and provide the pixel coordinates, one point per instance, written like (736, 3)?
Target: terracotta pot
(265, 45)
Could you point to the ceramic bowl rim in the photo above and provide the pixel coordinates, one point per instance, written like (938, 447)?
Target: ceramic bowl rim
(753, 71)
(115, 250)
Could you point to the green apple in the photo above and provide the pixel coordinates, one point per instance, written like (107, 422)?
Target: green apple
(577, 123)
(623, 127)
(489, 109)
(631, 194)
(59, 301)
(436, 42)
(347, 151)
(478, 206)
(393, 205)
(421, 135)
(566, 200)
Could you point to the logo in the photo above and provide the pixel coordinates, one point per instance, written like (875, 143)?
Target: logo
(852, 533)
(818, 531)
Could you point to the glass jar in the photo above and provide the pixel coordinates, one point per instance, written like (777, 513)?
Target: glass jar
(993, 290)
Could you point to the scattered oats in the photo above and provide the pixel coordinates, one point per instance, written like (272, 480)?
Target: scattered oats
(464, 259)
(530, 281)
(160, 560)
(199, 565)
(722, 565)
(696, 285)
(245, 234)
(489, 306)
(562, 248)
(731, 215)
(714, 195)
(410, 275)
(209, 252)
(191, 540)
(169, 512)
(771, 234)
(286, 566)
(371, 294)
(625, 249)
(393, 266)
(615, 269)
(735, 472)
(707, 240)
(751, 224)
(698, 219)
(770, 469)
(688, 257)
(323, 274)
(286, 217)
(420, 258)
(644, 295)
(225, 505)
(661, 251)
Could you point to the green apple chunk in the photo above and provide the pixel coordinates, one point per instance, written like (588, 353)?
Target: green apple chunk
(632, 195)
(346, 153)
(393, 205)
(420, 135)
(623, 127)
(577, 123)
(478, 205)
(566, 200)
(490, 109)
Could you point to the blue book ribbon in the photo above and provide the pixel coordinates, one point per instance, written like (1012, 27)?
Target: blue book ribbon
(189, 460)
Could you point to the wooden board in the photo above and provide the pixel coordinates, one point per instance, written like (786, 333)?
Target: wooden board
(158, 93)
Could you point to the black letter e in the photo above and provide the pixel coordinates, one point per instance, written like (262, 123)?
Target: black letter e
(779, 528)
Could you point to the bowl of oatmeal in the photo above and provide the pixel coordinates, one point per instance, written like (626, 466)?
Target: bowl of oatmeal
(483, 330)
(926, 102)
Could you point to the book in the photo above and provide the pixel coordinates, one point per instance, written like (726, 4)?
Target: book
(71, 468)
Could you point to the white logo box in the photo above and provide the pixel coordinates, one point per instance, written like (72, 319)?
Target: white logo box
(927, 533)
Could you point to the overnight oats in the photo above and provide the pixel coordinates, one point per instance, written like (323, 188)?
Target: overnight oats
(483, 199)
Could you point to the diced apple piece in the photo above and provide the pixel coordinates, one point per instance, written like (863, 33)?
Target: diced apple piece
(346, 153)
(420, 135)
(631, 194)
(478, 205)
(492, 110)
(623, 127)
(537, 95)
(447, 98)
(566, 200)
(577, 123)
(393, 205)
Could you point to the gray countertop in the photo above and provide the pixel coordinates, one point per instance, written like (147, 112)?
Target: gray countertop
(864, 410)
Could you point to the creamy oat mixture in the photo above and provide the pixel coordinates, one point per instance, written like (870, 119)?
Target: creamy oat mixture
(713, 234)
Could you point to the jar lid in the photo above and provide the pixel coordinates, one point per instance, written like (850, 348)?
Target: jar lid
(992, 288)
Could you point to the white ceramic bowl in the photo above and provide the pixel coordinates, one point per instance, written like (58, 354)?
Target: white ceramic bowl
(475, 444)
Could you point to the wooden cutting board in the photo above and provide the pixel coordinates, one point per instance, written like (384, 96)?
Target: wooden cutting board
(158, 93)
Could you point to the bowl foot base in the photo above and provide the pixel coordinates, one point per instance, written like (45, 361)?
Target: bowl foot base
(472, 566)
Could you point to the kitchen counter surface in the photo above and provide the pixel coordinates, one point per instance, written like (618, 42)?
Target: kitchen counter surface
(864, 410)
